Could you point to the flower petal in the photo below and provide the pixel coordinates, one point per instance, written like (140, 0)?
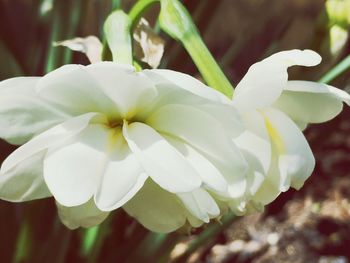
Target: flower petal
(47, 139)
(200, 203)
(272, 186)
(265, 80)
(228, 117)
(186, 82)
(156, 209)
(72, 172)
(311, 102)
(254, 144)
(24, 181)
(129, 90)
(21, 176)
(23, 114)
(292, 160)
(161, 161)
(255, 139)
(205, 134)
(91, 46)
(85, 215)
(211, 176)
(123, 176)
(182, 89)
(74, 88)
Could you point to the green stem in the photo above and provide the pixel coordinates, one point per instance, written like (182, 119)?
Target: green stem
(23, 245)
(175, 20)
(89, 239)
(208, 234)
(64, 26)
(336, 70)
(55, 247)
(115, 4)
(147, 248)
(207, 65)
(138, 10)
(13, 67)
(101, 232)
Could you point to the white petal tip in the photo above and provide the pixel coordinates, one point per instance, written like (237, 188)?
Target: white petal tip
(297, 185)
(284, 188)
(311, 58)
(206, 220)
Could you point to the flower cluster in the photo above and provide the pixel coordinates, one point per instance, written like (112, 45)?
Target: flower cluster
(160, 144)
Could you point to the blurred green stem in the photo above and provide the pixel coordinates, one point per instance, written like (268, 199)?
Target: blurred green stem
(13, 68)
(64, 25)
(93, 239)
(155, 248)
(138, 9)
(115, 4)
(146, 249)
(337, 70)
(207, 65)
(89, 238)
(175, 20)
(208, 234)
(23, 245)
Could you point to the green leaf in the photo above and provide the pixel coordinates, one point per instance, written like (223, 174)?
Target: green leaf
(341, 67)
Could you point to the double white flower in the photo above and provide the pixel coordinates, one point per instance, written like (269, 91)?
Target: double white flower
(104, 136)
(159, 143)
(275, 111)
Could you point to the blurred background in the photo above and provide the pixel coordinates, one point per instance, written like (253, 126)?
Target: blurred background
(311, 225)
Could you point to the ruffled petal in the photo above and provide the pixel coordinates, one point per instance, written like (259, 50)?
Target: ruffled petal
(130, 91)
(123, 176)
(24, 182)
(200, 203)
(310, 102)
(255, 139)
(161, 161)
(255, 146)
(292, 160)
(85, 215)
(21, 174)
(265, 80)
(272, 186)
(75, 89)
(202, 132)
(46, 139)
(182, 89)
(211, 176)
(156, 209)
(227, 117)
(23, 114)
(72, 171)
(186, 82)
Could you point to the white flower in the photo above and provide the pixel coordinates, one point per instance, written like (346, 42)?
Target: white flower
(103, 136)
(275, 111)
